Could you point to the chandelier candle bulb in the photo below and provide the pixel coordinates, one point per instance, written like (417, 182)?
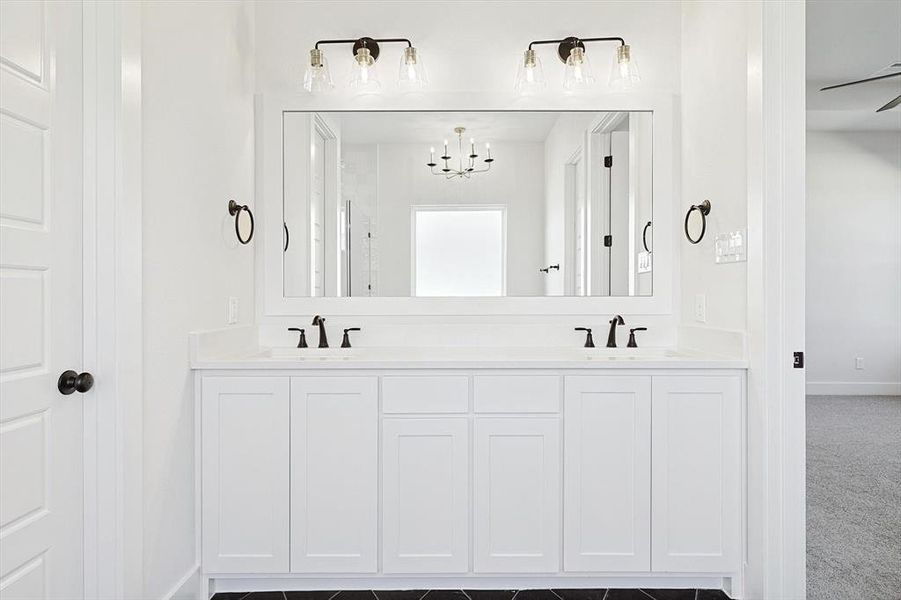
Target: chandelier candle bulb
(472, 148)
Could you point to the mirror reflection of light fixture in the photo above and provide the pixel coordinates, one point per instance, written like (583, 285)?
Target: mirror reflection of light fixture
(363, 74)
(577, 73)
(465, 168)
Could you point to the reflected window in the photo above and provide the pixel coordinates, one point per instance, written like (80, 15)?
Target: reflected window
(459, 251)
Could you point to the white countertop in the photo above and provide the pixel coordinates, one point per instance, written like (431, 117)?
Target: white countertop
(467, 358)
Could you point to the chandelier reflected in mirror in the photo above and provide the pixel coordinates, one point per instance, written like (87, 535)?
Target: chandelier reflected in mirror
(466, 164)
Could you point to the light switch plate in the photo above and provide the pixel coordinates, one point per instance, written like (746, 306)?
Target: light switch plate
(232, 313)
(731, 247)
(644, 262)
(701, 308)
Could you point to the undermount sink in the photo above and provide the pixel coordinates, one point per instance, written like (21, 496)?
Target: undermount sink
(628, 353)
(312, 353)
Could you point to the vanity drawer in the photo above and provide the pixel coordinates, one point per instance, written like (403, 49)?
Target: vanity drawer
(438, 394)
(516, 393)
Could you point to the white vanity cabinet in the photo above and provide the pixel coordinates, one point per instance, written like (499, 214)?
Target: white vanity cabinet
(443, 473)
(425, 483)
(334, 474)
(696, 456)
(516, 505)
(245, 451)
(607, 466)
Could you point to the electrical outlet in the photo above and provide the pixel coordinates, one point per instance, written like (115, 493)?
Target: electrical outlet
(858, 363)
(701, 308)
(232, 312)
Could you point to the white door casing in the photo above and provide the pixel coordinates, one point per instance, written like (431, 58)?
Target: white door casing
(41, 431)
(334, 474)
(607, 474)
(425, 487)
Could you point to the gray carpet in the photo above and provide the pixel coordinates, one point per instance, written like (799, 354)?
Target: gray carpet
(853, 497)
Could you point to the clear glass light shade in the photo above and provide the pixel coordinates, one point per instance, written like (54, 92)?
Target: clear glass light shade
(529, 74)
(363, 76)
(412, 75)
(624, 73)
(577, 73)
(317, 78)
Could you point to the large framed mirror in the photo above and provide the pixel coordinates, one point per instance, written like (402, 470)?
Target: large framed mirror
(467, 204)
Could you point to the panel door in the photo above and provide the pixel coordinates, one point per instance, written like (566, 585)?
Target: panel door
(245, 449)
(696, 488)
(607, 474)
(334, 474)
(425, 507)
(41, 430)
(516, 462)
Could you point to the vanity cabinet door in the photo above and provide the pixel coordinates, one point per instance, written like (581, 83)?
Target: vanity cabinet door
(516, 466)
(334, 474)
(244, 451)
(607, 474)
(425, 487)
(696, 485)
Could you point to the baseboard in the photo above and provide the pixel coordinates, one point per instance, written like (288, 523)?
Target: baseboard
(187, 587)
(853, 388)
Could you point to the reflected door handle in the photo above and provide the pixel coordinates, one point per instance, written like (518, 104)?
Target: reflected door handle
(70, 382)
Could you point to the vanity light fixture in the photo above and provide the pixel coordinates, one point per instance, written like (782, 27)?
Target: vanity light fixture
(364, 77)
(577, 74)
(464, 168)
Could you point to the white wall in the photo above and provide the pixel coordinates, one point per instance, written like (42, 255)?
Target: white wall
(714, 156)
(480, 55)
(565, 139)
(854, 262)
(197, 153)
(515, 181)
(465, 46)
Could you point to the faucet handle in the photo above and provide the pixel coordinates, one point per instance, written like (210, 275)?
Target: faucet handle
(632, 343)
(345, 343)
(589, 341)
(302, 342)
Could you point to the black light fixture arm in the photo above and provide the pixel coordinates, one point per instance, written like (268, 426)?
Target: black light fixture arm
(566, 45)
(371, 44)
(367, 40)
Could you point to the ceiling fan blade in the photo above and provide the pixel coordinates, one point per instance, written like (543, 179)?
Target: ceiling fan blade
(832, 87)
(890, 105)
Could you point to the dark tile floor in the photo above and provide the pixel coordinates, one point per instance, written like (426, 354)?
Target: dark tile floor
(575, 594)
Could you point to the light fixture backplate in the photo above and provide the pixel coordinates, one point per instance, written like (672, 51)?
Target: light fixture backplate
(566, 47)
(368, 43)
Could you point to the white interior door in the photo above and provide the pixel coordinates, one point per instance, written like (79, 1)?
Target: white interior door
(620, 208)
(41, 430)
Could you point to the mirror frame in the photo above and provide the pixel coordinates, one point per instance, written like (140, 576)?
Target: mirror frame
(270, 299)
